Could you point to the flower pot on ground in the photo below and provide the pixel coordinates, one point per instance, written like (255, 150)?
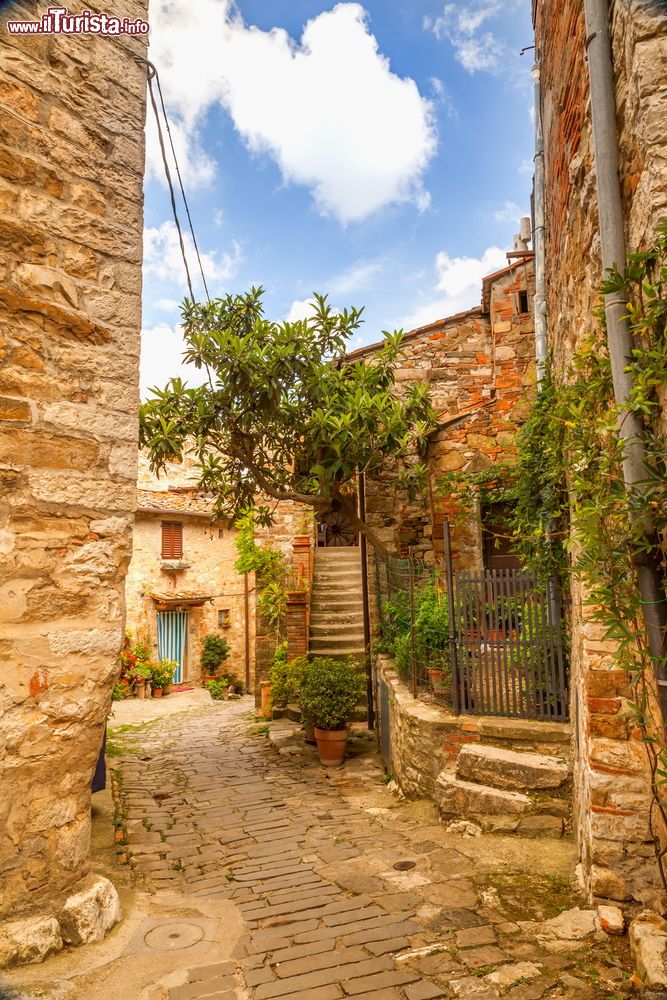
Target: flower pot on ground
(140, 690)
(214, 652)
(156, 692)
(330, 691)
(162, 675)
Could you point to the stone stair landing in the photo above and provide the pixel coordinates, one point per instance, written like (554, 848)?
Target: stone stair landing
(506, 791)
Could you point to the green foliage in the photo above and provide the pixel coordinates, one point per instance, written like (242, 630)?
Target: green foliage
(431, 630)
(286, 678)
(330, 692)
(140, 672)
(162, 673)
(215, 650)
(271, 571)
(120, 691)
(278, 415)
(218, 689)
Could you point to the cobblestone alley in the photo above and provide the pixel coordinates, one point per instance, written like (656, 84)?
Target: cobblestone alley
(331, 886)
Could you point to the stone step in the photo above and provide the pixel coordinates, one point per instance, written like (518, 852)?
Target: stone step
(321, 615)
(507, 769)
(466, 798)
(345, 578)
(340, 651)
(338, 554)
(336, 629)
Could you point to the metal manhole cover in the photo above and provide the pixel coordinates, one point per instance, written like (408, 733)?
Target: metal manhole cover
(405, 866)
(174, 936)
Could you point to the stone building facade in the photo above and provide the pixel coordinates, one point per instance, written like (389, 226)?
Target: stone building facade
(199, 581)
(612, 799)
(72, 115)
(480, 367)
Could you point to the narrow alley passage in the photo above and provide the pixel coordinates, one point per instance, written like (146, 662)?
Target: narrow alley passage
(333, 886)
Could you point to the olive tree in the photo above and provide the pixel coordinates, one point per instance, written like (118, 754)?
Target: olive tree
(282, 414)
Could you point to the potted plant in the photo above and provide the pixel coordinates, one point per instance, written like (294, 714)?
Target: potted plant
(215, 650)
(139, 675)
(329, 693)
(162, 674)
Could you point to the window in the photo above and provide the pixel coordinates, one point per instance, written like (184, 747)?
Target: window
(523, 302)
(172, 540)
(224, 620)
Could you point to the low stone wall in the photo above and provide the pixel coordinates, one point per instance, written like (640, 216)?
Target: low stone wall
(424, 738)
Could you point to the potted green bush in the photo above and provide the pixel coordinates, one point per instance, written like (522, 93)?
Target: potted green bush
(215, 650)
(286, 677)
(162, 675)
(329, 693)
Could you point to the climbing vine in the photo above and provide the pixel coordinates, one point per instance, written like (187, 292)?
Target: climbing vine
(270, 569)
(570, 512)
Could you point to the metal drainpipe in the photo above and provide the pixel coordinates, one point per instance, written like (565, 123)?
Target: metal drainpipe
(539, 301)
(619, 335)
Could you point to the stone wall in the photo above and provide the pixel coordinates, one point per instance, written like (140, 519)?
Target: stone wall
(424, 738)
(480, 366)
(71, 167)
(612, 803)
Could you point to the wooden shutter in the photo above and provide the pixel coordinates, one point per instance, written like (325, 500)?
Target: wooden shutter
(172, 540)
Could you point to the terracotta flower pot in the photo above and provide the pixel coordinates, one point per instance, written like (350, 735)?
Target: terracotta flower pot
(167, 689)
(265, 699)
(331, 745)
(157, 692)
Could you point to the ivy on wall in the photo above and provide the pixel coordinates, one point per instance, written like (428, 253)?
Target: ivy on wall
(271, 573)
(570, 513)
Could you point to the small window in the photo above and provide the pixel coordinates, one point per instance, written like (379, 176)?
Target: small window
(523, 302)
(224, 621)
(172, 540)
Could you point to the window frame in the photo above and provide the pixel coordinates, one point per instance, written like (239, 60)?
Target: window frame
(171, 539)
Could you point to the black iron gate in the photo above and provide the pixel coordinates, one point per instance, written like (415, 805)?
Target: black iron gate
(506, 645)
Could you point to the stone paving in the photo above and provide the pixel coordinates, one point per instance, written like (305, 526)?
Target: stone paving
(344, 889)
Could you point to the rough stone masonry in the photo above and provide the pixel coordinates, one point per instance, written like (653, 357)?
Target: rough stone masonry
(72, 112)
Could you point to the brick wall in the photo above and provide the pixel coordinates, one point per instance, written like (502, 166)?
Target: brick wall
(71, 166)
(480, 366)
(610, 783)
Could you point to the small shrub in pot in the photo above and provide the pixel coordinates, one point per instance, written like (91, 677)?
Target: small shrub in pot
(330, 691)
(215, 650)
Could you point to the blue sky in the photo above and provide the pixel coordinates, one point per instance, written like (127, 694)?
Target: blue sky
(380, 152)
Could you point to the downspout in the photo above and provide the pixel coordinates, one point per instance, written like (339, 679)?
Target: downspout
(539, 300)
(619, 335)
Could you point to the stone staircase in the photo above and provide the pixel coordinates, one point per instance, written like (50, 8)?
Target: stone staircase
(336, 610)
(505, 791)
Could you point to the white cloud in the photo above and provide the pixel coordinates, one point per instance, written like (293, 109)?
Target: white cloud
(329, 109)
(354, 278)
(162, 358)
(526, 166)
(460, 25)
(459, 282)
(300, 309)
(163, 260)
(166, 305)
(509, 212)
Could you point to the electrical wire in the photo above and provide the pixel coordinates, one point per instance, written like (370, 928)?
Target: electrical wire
(152, 74)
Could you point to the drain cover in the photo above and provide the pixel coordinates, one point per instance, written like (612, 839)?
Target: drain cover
(405, 866)
(174, 936)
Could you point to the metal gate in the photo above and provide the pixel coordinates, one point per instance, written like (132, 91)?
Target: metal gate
(507, 647)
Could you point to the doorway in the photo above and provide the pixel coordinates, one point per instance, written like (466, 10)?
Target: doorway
(172, 630)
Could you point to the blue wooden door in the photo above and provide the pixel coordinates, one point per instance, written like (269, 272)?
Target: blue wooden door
(171, 632)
